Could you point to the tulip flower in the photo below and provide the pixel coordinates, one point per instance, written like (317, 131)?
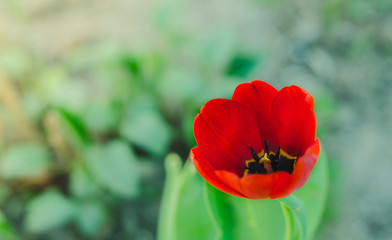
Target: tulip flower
(260, 144)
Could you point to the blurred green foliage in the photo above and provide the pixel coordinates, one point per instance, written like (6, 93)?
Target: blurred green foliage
(78, 131)
(83, 136)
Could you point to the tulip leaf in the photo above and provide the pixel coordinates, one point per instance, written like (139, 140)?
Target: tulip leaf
(220, 211)
(184, 214)
(295, 217)
(257, 219)
(314, 194)
(222, 216)
(239, 218)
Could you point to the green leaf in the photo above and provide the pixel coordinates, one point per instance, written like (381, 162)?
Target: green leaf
(6, 230)
(191, 203)
(90, 218)
(48, 211)
(222, 216)
(314, 194)
(241, 65)
(24, 161)
(76, 132)
(220, 211)
(71, 95)
(147, 130)
(257, 219)
(100, 117)
(295, 217)
(183, 213)
(241, 218)
(82, 185)
(114, 166)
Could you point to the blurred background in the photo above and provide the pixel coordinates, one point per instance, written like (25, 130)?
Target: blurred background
(94, 94)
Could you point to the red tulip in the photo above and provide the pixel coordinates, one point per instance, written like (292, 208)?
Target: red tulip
(260, 144)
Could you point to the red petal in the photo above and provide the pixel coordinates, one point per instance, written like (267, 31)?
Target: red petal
(288, 183)
(295, 118)
(207, 172)
(258, 186)
(219, 155)
(253, 186)
(225, 131)
(231, 180)
(257, 96)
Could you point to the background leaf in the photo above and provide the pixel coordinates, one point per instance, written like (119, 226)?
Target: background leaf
(82, 185)
(75, 129)
(6, 230)
(24, 161)
(90, 218)
(142, 126)
(48, 211)
(114, 166)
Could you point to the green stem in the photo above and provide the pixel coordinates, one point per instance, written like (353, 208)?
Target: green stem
(166, 221)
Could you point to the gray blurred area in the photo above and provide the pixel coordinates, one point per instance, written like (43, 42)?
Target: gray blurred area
(339, 50)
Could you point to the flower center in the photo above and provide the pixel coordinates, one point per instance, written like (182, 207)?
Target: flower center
(269, 162)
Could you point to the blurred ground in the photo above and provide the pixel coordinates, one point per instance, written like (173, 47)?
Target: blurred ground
(341, 51)
(50, 28)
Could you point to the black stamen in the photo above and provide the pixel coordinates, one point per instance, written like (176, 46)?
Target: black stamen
(266, 147)
(274, 161)
(255, 167)
(278, 162)
(254, 154)
(285, 164)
